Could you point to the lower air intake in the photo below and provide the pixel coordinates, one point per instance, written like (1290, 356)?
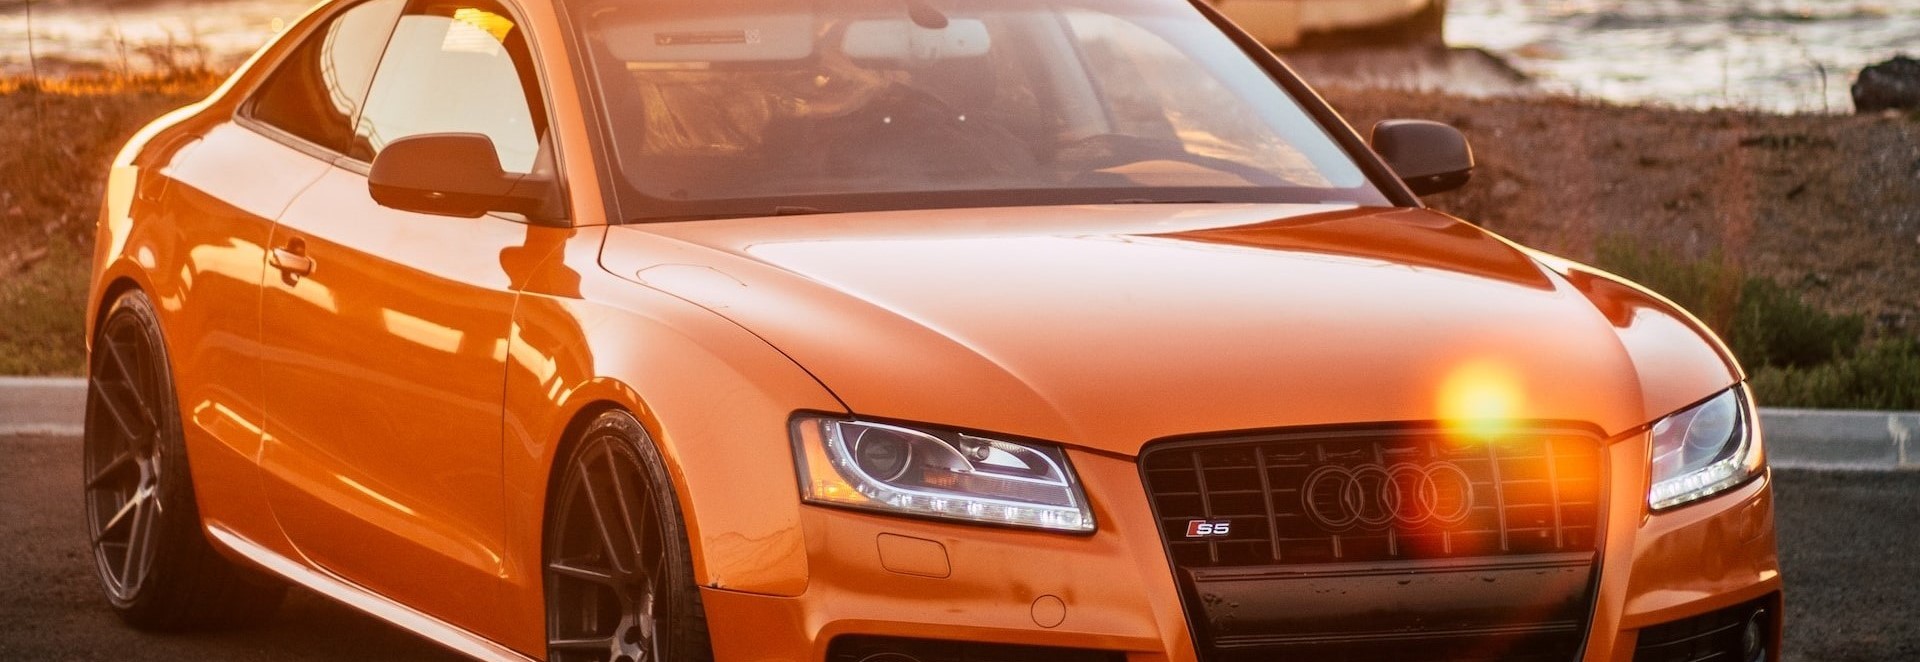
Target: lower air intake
(893, 649)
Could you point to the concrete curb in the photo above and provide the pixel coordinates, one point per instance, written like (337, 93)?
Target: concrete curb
(1834, 439)
(48, 406)
(1796, 438)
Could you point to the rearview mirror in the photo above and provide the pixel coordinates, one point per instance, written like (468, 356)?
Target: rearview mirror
(452, 174)
(1429, 156)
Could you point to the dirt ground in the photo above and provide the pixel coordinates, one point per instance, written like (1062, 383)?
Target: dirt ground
(1826, 205)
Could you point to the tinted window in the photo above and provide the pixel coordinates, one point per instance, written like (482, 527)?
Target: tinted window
(323, 83)
(455, 69)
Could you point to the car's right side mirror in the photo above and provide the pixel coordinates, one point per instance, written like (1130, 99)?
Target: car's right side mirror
(1429, 156)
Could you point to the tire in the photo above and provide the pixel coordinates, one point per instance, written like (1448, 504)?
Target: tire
(619, 574)
(150, 554)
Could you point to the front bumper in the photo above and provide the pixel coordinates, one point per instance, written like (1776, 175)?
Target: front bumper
(872, 575)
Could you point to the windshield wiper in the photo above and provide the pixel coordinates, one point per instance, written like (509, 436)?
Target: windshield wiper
(782, 210)
(1150, 201)
(786, 210)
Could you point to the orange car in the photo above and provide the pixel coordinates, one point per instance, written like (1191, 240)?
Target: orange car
(883, 331)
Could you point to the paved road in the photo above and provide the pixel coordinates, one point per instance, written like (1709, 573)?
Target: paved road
(1848, 547)
(1850, 550)
(51, 607)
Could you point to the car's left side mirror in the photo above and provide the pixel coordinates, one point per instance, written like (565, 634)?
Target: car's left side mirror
(453, 174)
(1429, 156)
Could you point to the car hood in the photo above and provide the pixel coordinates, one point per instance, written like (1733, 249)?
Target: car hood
(1108, 327)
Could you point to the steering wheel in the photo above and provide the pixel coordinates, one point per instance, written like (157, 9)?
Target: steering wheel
(907, 129)
(906, 102)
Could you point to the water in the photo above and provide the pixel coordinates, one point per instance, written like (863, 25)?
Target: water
(1779, 55)
(136, 35)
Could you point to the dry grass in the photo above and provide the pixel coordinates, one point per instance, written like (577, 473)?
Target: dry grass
(56, 144)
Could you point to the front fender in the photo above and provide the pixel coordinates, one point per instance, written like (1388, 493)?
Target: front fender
(715, 398)
(1679, 361)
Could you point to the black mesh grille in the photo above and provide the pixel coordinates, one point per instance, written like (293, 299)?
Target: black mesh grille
(894, 649)
(1716, 636)
(1550, 647)
(1375, 496)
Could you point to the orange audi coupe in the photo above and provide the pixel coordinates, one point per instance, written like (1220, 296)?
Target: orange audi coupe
(883, 331)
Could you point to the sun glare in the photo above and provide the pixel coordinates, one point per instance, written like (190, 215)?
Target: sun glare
(1480, 400)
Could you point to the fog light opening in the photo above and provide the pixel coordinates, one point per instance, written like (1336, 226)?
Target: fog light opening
(1753, 639)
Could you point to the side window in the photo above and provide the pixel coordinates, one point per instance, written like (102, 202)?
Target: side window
(456, 68)
(323, 83)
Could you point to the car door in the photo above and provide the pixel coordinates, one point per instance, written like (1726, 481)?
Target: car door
(385, 334)
(228, 184)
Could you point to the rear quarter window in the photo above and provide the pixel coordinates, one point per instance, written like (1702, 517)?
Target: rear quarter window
(321, 86)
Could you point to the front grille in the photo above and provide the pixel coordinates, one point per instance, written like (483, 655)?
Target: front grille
(896, 649)
(1367, 496)
(1713, 637)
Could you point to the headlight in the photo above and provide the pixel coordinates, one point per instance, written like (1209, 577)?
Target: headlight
(937, 473)
(1704, 451)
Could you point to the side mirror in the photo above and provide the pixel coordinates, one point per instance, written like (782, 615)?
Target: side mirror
(1429, 156)
(452, 174)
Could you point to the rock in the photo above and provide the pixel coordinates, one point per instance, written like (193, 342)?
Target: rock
(1890, 85)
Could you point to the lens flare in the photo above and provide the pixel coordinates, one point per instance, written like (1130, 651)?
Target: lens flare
(1480, 400)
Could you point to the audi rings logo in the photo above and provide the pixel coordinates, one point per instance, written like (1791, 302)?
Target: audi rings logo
(1374, 496)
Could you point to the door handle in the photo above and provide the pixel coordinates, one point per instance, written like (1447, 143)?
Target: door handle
(292, 261)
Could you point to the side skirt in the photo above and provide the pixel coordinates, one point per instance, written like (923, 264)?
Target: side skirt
(373, 604)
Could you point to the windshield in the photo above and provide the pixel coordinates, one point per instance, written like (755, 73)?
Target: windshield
(761, 107)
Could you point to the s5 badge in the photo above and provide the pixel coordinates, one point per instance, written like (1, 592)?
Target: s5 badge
(1201, 528)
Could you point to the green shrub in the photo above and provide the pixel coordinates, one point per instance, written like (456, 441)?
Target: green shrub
(1883, 376)
(1775, 328)
(43, 317)
(1798, 355)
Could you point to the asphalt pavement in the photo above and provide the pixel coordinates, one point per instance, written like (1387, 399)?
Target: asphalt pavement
(51, 607)
(1849, 546)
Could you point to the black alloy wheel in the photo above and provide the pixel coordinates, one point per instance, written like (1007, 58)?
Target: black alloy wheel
(155, 564)
(619, 577)
(123, 460)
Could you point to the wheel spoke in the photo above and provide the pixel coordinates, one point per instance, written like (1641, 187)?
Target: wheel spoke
(126, 374)
(645, 604)
(590, 644)
(113, 411)
(628, 523)
(603, 591)
(136, 545)
(599, 515)
(115, 466)
(122, 517)
(573, 570)
(659, 563)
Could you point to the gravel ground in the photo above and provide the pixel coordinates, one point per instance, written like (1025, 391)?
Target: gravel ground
(1846, 543)
(1847, 551)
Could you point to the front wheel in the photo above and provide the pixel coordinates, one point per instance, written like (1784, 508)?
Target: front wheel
(156, 565)
(619, 576)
